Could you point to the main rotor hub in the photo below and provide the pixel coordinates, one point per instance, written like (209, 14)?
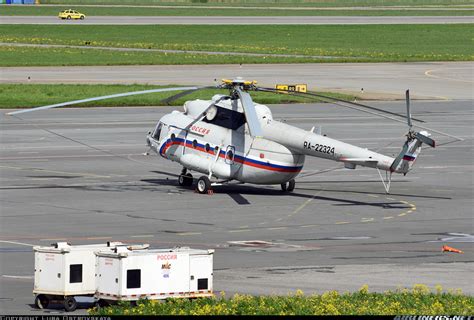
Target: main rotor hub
(240, 83)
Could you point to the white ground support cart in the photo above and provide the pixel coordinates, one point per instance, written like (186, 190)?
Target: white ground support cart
(63, 271)
(153, 274)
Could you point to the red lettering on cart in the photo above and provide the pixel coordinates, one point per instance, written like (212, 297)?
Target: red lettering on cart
(167, 257)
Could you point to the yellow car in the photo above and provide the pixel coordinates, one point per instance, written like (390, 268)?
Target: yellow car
(71, 14)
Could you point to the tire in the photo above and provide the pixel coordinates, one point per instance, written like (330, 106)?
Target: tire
(82, 18)
(291, 185)
(41, 301)
(188, 179)
(70, 304)
(101, 303)
(283, 186)
(182, 180)
(68, 17)
(203, 185)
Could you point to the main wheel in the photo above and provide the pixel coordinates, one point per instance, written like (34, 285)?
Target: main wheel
(41, 301)
(70, 304)
(203, 184)
(291, 185)
(189, 179)
(68, 17)
(82, 18)
(288, 186)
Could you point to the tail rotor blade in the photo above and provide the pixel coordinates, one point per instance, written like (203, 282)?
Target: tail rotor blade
(126, 94)
(407, 98)
(250, 113)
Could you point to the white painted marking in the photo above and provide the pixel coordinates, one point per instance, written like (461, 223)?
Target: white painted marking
(19, 243)
(143, 236)
(98, 238)
(17, 277)
(241, 230)
(188, 233)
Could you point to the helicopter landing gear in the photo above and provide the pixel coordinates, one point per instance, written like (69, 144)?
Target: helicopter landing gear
(288, 186)
(203, 185)
(185, 179)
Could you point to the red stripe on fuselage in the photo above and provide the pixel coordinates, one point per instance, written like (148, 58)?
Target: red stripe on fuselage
(238, 160)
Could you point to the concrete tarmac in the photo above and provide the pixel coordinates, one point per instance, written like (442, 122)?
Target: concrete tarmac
(337, 230)
(433, 80)
(233, 20)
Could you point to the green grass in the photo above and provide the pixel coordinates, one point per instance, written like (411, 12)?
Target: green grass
(363, 43)
(137, 11)
(15, 56)
(13, 96)
(417, 302)
(302, 3)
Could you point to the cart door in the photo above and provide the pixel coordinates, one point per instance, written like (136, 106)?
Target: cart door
(201, 272)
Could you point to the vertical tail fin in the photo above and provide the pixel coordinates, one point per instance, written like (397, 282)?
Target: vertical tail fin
(412, 147)
(410, 151)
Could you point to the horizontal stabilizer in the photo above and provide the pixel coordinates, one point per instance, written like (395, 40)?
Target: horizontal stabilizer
(425, 139)
(367, 162)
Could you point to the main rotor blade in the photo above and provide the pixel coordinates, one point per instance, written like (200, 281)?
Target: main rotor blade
(250, 113)
(407, 99)
(312, 94)
(367, 111)
(183, 94)
(125, 94)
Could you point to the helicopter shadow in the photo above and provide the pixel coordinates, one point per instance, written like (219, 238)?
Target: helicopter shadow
(237, 192)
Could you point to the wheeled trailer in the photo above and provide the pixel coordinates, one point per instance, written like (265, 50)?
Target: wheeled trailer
(63, 272)
(130, 275)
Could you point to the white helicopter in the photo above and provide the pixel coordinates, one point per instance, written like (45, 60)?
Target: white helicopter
(231, 138)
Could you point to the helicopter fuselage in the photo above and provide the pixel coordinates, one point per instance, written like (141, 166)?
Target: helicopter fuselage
(223, 146)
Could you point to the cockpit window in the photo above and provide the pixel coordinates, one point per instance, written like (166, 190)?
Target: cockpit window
(227, 118)
(156, 134)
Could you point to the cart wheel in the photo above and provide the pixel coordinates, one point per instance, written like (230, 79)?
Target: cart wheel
(70, 304)
(101, 303)
(41, 301)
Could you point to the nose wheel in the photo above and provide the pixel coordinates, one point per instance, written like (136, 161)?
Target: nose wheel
(288, 186)
(185, 179)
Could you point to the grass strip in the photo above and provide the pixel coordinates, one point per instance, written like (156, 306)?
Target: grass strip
(419, 301)
(17, 96)
(140, 11)
(364, 43)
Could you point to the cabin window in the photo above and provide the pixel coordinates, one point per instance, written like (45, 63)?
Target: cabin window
(133, 279)
(230, 155)
(227, 118)
(202, 284)
(75, 273)
(195, 144)
(208, 147)
(156, 134)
